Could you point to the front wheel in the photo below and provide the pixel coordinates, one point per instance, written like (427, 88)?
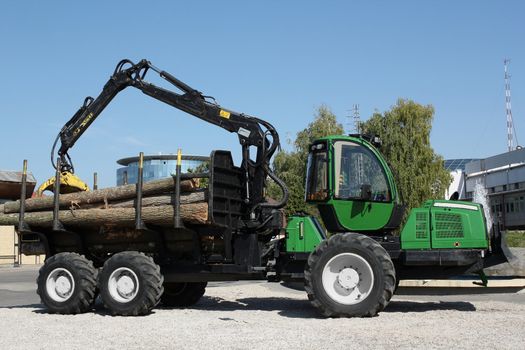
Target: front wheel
(349, 275)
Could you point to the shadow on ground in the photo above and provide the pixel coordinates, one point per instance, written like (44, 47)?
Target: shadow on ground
(294, 308)
(412, 306)
(286, 307)
(98, 309)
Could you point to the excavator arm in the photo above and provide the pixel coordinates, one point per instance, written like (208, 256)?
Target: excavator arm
(251, 131)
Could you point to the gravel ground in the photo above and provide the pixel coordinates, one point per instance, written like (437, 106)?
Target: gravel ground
(260, 315)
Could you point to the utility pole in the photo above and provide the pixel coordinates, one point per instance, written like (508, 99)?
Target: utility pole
(354, 120)
(511, 131)
(357, 118)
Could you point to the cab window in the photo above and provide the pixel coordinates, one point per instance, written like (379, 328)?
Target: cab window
(357, 170)
(317, 173)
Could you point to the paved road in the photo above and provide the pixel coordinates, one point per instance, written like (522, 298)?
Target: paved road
(18, 286)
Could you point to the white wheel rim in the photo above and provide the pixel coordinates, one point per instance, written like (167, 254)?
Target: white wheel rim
(348, 278)
(123, 285)
(60, 284)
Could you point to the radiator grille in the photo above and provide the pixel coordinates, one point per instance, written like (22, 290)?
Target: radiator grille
(448, 225)
(421, 225)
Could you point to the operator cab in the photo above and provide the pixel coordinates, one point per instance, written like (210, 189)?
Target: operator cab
(352, 185)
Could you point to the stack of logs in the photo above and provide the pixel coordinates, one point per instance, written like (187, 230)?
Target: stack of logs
(114, 206)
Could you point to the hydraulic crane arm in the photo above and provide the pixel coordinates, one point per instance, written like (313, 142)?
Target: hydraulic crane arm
(251, 131)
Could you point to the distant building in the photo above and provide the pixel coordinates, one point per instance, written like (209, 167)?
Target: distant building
(11, 185)
(10, 189)
(155, 167)
(9, 249)
(503, 177)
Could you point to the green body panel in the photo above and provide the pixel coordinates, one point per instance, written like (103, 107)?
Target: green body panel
(444, 224)
(302, 234)
(362, 215)
(416, 232)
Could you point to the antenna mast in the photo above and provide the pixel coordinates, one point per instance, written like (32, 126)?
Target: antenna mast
(357, 118)
(354, 120)
(511, 131)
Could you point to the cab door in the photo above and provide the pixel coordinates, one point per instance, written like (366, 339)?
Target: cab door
(362, 197)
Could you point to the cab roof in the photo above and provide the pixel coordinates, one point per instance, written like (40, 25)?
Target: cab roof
(363, 139)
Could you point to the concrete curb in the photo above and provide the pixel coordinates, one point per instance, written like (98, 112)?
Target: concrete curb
(464, 283)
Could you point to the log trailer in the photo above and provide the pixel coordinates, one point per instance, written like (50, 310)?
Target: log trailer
(350, 265)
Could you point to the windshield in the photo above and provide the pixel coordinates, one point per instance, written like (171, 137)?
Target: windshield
(357, 169)
(317, 173)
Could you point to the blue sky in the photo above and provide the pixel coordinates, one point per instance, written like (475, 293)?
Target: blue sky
(278, 60)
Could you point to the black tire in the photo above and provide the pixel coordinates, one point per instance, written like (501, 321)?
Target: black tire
(397, 284)
(361, 248)
(77, 277)
(182, 294)
(143, 278)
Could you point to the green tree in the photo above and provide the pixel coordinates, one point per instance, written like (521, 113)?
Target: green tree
(405, 134)
(291, 166)
(203, 167)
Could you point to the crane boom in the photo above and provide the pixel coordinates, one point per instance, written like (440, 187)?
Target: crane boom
(250, 130)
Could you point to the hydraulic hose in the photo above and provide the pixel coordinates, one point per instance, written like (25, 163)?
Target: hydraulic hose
(283, 187)
(53, 151)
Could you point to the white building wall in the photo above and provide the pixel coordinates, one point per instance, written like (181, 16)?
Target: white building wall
(9, 249)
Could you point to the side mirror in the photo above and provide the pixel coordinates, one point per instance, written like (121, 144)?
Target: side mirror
(366, 192)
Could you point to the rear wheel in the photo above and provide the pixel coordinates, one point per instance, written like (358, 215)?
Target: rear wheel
(349, 275)
(182, 294)
(130, 284)
(66, 283)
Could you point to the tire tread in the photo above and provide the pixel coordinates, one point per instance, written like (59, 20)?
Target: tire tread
(152, 283)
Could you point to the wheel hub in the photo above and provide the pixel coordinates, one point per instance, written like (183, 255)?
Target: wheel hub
(60, 284)
(63, 286)
(125, 286)
(348, 278)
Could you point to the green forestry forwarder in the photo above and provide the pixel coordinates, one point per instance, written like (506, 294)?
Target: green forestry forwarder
(350, 270)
